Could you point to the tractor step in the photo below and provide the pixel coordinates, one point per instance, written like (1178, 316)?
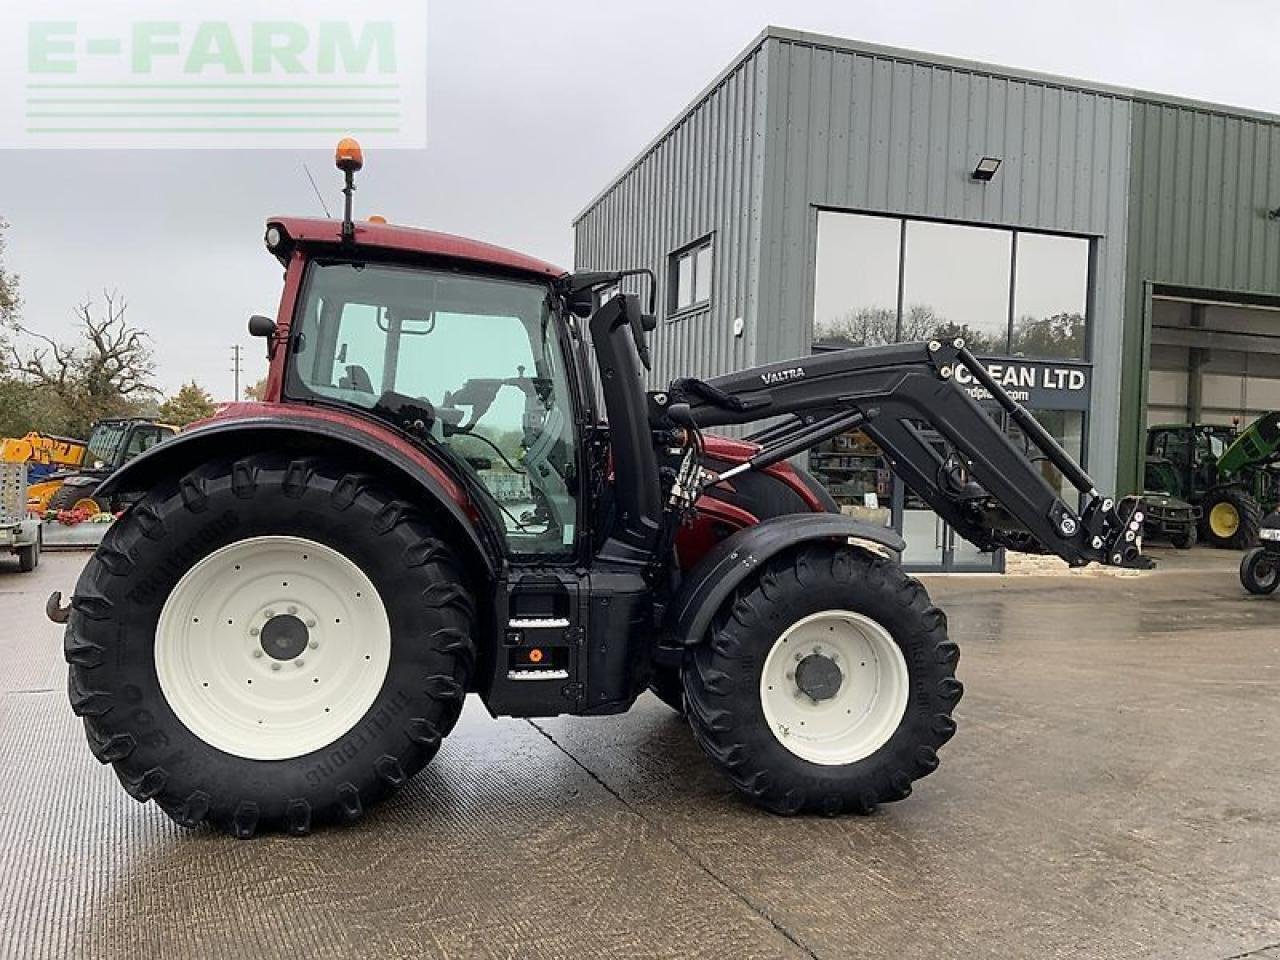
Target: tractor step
(537, 674)
(535, 669)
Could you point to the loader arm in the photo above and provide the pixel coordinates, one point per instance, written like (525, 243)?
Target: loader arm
(987, 489)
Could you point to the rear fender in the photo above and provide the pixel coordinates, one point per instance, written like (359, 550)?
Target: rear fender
(364, 447)
(737, 557)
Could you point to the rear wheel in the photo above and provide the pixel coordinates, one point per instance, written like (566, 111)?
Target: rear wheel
(1232, 519)
(1260, 571)
(827, 683)
(269, 645)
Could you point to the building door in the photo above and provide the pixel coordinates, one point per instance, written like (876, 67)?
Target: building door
(1212, 361)
(933, 544)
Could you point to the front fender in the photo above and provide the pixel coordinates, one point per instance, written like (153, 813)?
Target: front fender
(736, 557)
(365, 447)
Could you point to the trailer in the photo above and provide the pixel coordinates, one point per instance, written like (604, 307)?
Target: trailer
(20, 533)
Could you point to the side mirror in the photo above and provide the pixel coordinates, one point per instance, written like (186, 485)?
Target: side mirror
(582, 303)
(260, 326)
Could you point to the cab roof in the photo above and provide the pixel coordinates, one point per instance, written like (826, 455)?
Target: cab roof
(412, 240)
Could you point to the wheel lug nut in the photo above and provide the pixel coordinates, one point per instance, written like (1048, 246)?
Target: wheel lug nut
(314, 645)
(269, 614)
(258, 652)
(253, 631)
(298, 662)
(275, 666)
(311, 623)
(293, 610)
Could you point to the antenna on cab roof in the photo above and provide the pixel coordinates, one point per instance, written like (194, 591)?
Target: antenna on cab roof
(319, 196)
(348, 158)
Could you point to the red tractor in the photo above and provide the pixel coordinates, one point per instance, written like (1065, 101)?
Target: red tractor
(283, 626)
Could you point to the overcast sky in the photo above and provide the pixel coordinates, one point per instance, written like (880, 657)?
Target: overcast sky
(532, 108)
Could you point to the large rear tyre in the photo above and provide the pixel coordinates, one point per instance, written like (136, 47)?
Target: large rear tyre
(1232, 519)
(1260, 572)
(827, 683)
(269, 645)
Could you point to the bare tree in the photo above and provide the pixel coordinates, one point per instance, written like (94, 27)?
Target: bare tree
(106, 372)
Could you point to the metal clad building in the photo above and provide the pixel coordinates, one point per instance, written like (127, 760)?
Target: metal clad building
(1118, 267)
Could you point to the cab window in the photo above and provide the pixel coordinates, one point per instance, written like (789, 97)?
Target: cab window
(476, 359)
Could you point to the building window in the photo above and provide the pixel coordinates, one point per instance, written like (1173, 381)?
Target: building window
(856, 290)
(956, 284)
(691, 277)
(885, 280)
(1050, 295)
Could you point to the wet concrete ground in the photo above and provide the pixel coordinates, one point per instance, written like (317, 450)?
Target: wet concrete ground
(1113, 792)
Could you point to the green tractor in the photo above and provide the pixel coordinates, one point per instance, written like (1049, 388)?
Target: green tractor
(1230, 475)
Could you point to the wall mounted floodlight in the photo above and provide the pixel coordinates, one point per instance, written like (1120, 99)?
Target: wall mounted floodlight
(986, 169)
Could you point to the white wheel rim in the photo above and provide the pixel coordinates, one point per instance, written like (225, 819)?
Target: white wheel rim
(235, 695)
(864, 711)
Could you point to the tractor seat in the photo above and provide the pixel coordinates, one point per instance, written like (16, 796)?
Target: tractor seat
(357, 378)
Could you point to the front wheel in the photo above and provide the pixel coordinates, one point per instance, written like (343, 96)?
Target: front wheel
(268, 645)
(1260, 571)
(1186, 539)
(826, 685)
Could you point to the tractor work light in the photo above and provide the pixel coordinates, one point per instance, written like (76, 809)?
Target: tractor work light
(275, 237)
(986, 169)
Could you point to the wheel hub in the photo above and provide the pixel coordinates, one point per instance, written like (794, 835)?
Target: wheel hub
(272, 647)
(284, 637)
(834, 687)
(818, 677)
(1224, 519)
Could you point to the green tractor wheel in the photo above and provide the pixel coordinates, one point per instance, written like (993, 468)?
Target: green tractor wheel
(1232, 519)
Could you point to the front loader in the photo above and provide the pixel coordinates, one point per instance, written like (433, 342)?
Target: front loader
(285, 623)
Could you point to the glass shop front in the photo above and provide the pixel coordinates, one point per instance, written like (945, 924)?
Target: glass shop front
(1018, 298)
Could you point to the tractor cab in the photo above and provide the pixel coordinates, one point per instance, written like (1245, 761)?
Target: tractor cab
(1184, 457)
(475, 365)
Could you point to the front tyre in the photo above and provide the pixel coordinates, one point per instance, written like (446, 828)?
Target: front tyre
(827, 683)
(1260, 571)
(269, 644)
